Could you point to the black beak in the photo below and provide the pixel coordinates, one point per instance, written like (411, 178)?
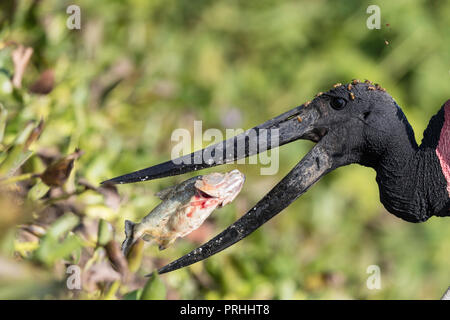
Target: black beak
(298, 123)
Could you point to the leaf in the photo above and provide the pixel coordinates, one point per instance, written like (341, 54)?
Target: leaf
(116, 257)
(154, 289)
(16, 157)
(22, 137)
(57, 173)
(62, 225)
(18, 154)
(35, 134)
(105, 232)
(38, 191)
(45, 83)
(135, 255)
(3, 118)
(133, 295)
(51, 249)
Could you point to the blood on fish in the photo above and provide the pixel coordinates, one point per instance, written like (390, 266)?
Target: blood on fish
(189, 212)
(201, 201)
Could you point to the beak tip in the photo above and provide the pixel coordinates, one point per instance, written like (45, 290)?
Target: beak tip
(109, 182)
(157, 271)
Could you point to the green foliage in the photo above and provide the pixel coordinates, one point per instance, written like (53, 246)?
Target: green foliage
(105, 232)
(154, 289)
(139, 69)
(51, 247)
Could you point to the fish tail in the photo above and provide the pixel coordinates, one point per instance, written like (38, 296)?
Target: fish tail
(129, 236)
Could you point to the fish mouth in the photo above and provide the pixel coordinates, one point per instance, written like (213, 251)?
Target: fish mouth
(302, 122)
(204, 194)
(221, 185)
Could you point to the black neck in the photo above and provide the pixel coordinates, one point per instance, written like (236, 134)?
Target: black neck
(410, 177)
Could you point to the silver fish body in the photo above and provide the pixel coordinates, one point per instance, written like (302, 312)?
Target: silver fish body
(184, 208)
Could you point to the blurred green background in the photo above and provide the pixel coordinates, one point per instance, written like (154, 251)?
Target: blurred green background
(139, 69)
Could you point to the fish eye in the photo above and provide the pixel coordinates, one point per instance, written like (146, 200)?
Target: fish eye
(338, 103)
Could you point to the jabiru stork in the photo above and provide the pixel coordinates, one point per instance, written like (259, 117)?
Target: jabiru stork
(358, 122)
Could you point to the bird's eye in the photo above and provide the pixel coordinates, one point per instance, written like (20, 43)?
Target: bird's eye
(338, 103)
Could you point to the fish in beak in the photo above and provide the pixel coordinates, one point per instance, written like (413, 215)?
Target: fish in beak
(334, 120)
(183, 209)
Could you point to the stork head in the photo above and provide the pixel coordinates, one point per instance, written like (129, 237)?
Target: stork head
(359, 122)
(352, 123)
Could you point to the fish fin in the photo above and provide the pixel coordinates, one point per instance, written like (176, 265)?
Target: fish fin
(164, 244)
(129, 236)
(165, 193)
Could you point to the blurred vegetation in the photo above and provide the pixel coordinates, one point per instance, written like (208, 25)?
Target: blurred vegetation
(81, 106)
